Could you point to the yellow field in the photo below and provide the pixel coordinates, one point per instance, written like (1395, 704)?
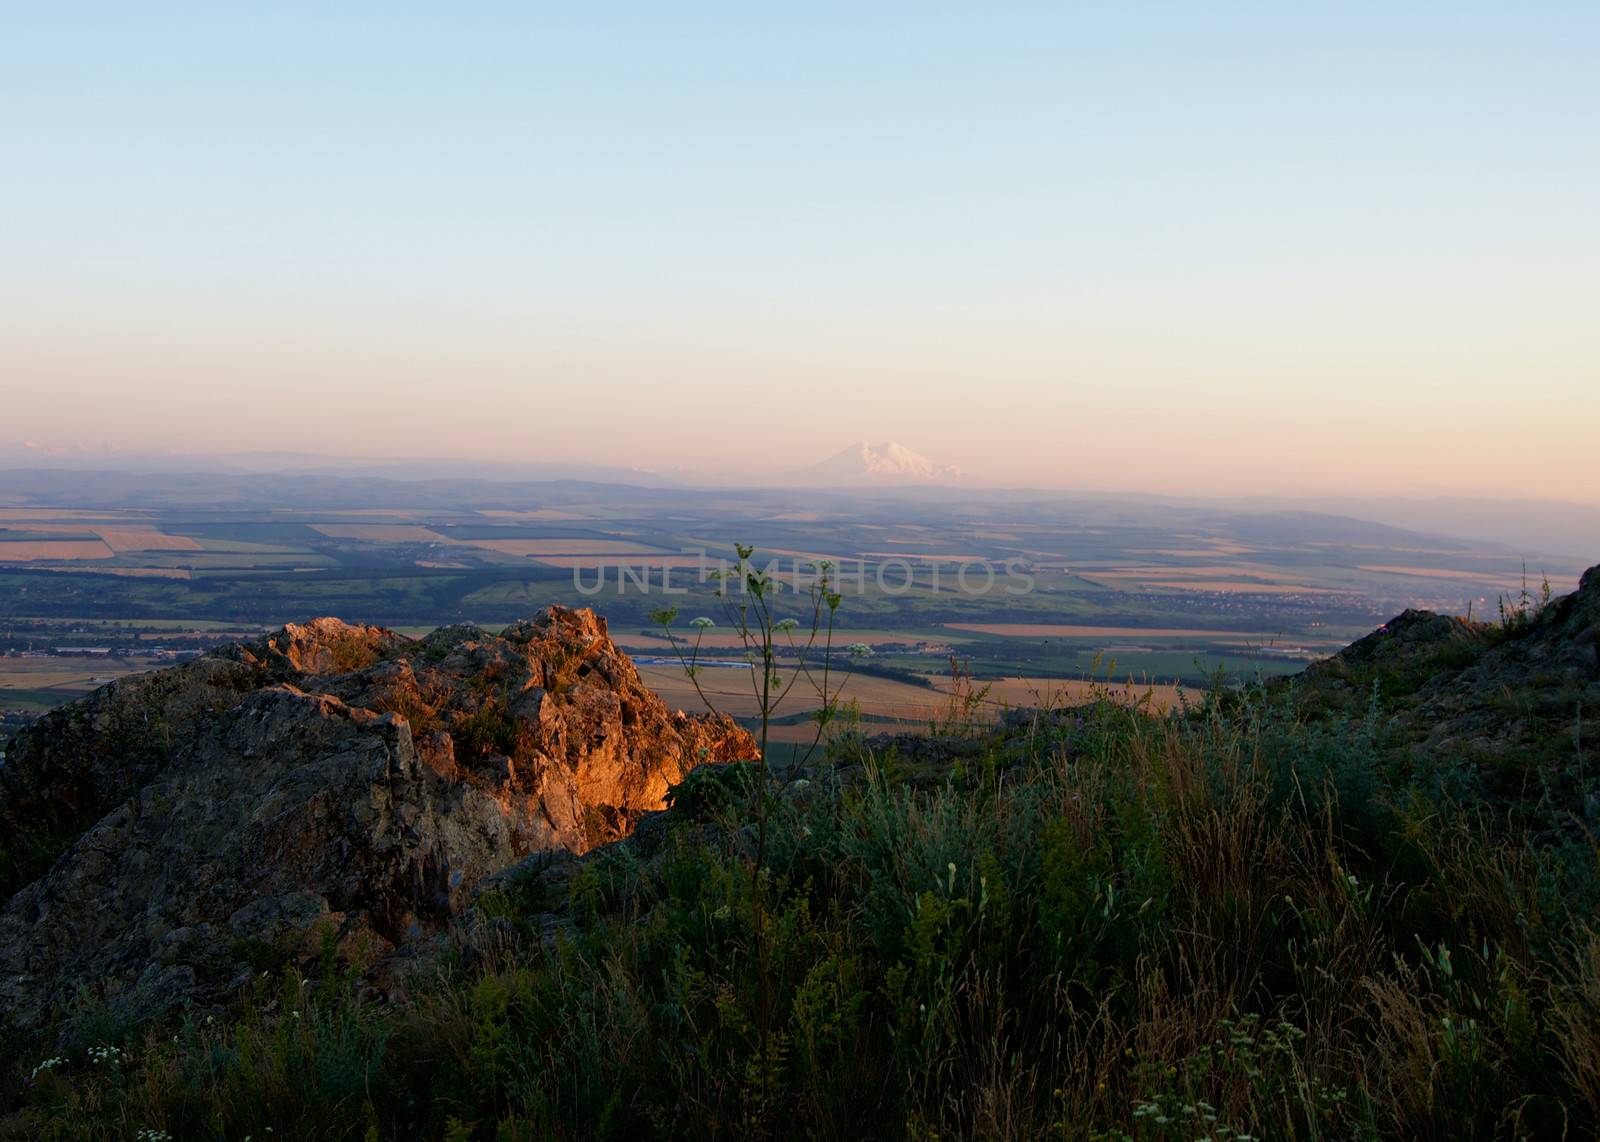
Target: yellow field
(25, 550)
(730, 691)
(805, 733)
(131, 537)
(913, 706)
(26, 514)
(61, 673)
(145, 539)
(1056, 692)
(1439, 573)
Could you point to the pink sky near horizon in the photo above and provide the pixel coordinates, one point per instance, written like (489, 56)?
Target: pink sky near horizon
(1208, 249)
(1236, 415)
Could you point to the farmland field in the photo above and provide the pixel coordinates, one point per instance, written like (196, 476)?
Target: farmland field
(1232, 586)
(653, 641)
(1031, 595)
(380, 532)
(1058, 630)
(50, 550)
(596, 549)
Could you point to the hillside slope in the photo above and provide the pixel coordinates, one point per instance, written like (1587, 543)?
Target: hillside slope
(1363, 904)
(1508, 711)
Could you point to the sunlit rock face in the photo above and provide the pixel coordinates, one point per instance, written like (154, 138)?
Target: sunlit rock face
(326, 781)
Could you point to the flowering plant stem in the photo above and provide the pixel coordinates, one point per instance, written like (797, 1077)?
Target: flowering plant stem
(748, 596)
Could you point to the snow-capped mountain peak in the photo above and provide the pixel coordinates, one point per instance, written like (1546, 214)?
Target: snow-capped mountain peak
(887, 463)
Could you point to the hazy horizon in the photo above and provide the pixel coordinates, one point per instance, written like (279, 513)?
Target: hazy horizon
(28, 456)
(1321, 251)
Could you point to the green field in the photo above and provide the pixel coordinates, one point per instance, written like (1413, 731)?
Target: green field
(1247, 598)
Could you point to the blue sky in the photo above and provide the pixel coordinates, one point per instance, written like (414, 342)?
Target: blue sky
(1132, 245)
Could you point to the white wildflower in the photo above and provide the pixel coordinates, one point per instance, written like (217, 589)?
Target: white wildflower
(49, 1064)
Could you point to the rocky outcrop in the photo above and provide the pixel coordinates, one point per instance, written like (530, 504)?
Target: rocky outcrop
(1515, 703)
(1410, 638)
(327, 782)
(1533, 694)
(81, 760)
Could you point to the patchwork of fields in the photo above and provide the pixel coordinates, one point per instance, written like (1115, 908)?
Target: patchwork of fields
(1035, 599)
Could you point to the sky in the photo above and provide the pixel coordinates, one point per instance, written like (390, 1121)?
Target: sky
(1218, 248)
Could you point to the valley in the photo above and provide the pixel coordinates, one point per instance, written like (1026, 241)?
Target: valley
(1030, 594)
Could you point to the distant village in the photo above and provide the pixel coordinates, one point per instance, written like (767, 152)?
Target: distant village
(53, 638)
(124, 649)
(160, 653)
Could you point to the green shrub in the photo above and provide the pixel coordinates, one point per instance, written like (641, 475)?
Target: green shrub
(1227, 924)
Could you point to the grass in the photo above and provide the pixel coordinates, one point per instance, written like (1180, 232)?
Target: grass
(1105, 925)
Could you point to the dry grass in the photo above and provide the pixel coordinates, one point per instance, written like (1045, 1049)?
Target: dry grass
(1116, 928)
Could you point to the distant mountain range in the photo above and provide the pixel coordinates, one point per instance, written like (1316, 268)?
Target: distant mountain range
(102, 477)
(28, 457)
(877, 465)
(861, 465)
